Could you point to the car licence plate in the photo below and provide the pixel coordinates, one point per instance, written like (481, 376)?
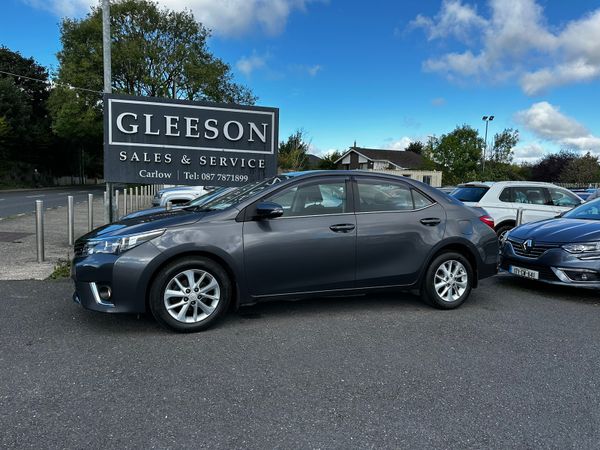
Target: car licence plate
(532, 274)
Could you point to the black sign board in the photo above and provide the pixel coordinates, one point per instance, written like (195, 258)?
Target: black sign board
(155, 140)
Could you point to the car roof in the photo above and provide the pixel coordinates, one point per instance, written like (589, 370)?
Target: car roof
(507, 183)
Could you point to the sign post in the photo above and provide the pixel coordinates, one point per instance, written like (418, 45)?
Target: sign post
(167, 141)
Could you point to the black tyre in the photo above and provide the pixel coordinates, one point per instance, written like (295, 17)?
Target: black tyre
(501, 231)
(190, 294)
(448, 281)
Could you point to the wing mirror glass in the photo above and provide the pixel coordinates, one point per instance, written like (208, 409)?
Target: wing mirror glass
(268, 210)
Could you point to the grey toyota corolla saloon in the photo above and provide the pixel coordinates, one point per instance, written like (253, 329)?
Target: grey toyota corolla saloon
(302, 234)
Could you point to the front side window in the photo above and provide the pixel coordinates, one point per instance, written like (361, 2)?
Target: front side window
(311, 199)
(376, 196)
(563, 198)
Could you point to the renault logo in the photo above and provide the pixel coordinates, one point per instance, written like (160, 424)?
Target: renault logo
(527, 245)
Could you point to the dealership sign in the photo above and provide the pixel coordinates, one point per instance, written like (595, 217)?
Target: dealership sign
(154, 140)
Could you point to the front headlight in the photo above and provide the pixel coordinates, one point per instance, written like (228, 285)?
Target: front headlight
(118, 244)
(583, 247)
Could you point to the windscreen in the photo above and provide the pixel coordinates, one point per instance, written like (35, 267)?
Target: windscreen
(242, 193)
(469, 193)
(587, 211)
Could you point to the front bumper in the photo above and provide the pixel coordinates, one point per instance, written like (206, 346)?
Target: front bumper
(555, 266)
(114, 283)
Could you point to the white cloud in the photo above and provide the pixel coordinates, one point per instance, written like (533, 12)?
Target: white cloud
(515, 42)
(529, 152)
(454, 19)
(249, 64)
(314, 70)
(547, 122)
(224, 17)
(399, 144)
(63, 8)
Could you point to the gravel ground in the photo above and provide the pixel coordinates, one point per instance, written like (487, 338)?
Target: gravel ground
(518, 366)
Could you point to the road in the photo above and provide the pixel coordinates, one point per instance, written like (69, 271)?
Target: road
(517, 366)
(23, 202)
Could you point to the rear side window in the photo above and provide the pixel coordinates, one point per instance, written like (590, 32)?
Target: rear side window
(469, 193)
(531, 195)
(420, 200)
(505, 195)
(376, 196)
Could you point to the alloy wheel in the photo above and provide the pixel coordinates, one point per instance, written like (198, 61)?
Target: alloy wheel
(451, 280)
(192, 295)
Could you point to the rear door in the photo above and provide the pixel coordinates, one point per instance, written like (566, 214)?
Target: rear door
(397, 227)
(312, 247)
(535, 202)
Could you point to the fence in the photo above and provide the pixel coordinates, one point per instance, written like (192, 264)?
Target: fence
(579, 185)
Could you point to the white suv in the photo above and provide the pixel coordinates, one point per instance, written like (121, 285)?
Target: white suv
(502, 199)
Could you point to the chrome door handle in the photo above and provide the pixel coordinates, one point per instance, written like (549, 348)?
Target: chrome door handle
(342, 227)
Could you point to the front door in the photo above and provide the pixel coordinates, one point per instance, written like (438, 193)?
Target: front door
(312, 247)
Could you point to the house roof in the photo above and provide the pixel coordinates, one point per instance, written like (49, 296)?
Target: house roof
(400, 158)
(313, 160)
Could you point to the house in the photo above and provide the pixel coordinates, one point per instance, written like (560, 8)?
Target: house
(398, 162)
(313, 161)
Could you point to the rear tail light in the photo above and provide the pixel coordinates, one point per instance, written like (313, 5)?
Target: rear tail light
(489, 221)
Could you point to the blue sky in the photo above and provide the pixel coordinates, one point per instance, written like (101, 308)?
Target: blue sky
(382, 73)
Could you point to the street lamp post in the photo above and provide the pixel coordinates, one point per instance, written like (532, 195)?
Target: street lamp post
(487, 120)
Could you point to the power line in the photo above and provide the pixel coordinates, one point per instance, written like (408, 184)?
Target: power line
(50, 82)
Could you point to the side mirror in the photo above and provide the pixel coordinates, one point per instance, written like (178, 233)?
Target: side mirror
(268, 210)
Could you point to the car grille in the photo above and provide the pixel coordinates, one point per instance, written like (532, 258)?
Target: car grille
(546, 273)
(534, 250)
(78, 248)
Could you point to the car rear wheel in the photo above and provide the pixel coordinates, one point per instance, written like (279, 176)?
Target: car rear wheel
(448, 281)
(190, 294)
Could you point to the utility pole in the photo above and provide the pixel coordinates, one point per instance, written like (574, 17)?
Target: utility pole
(107, 82)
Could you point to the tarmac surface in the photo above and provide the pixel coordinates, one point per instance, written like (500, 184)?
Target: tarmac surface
(17, 202)
(517, 366)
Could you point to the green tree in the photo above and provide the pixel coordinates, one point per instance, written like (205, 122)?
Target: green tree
(416, 147)
(328, 161)
(581, 170)
(499, 162)
(457, 154)
(293, 152)
(551, 166)
(155, 52)
(504, 143)
(23, 94)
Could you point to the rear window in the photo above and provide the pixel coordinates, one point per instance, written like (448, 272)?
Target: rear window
(469, 193)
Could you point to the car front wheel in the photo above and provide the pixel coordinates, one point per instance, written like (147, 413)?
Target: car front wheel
(190, 294)
(448, 281)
